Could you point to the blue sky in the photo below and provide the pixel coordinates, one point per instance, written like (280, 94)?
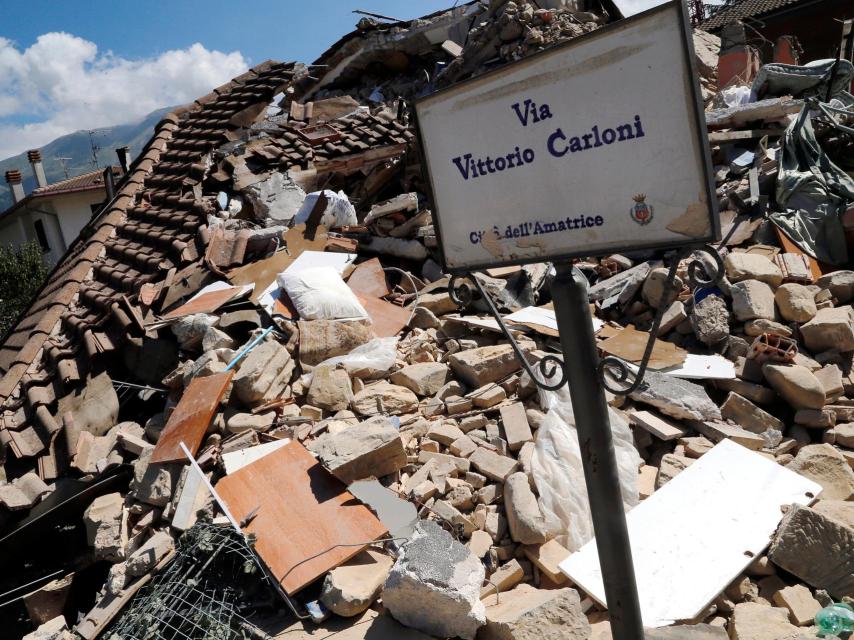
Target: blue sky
(67, 65)
(259, 29)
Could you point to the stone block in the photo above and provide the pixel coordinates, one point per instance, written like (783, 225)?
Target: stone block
(815, 548)
(423, 378)
(493, 466)
(371, 448)
(480, 366)
(527, 613)
(526, 521)
(517, 431)
(352, 587)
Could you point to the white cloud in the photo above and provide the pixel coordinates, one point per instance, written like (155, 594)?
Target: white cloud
(62, 83)
(631, 7)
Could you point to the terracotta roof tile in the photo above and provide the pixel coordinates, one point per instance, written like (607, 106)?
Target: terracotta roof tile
(55, 339)
(742, 9)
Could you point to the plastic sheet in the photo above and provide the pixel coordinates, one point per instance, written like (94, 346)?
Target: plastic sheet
(374, 359)
(814, 192)
(339, 212)
(559, 473)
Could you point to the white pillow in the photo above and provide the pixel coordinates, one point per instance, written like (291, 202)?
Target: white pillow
(319, 293)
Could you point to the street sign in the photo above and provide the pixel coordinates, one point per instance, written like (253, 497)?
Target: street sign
(593, 147)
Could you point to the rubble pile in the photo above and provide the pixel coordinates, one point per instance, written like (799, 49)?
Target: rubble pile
(313, 344)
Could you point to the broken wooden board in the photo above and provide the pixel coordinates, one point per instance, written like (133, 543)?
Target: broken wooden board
(723, 137)
(698, 532)
(369, 278)
(387, 319)
(235, 460)
(192, 417)
(302, 511)
(262, 273)
(629, 345)
(208, 301)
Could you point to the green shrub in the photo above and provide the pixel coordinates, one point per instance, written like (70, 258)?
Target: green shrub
(22, 272)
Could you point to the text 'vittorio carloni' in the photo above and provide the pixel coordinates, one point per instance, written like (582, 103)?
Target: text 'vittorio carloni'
(558, 143)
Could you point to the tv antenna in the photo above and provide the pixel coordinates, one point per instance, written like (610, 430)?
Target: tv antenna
(94, 146)
(62, 161)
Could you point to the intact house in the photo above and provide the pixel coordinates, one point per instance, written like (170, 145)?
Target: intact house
(52, 214)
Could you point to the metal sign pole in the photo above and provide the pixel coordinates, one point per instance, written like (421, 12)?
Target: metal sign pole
(581, 363)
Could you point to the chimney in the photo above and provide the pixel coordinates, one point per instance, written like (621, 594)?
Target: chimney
(13, 177)
(35, 158)
(123, 153)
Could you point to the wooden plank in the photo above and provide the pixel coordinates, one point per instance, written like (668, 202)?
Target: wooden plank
(302, 510)
(192, 417)
(722, 137)
(770, 109)
(659, 426)
(698, 532)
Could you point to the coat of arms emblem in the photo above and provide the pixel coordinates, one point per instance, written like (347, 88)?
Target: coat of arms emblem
(641, 212)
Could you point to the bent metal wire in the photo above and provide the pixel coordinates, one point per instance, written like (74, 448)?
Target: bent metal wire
(461, 294)
(614, 373)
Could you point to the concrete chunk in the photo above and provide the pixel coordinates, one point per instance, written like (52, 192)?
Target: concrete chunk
(752, 266)
(547, 557)
(149, 554)
(434, 585)
(153, 483)
(676, 397)
(105, 530)
(752, 299)
(371, 448)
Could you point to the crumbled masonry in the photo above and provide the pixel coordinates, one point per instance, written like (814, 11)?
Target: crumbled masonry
(315, 170)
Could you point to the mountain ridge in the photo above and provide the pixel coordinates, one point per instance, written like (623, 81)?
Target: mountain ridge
(77, 147)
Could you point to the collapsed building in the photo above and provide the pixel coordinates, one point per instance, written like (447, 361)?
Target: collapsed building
(247, 400)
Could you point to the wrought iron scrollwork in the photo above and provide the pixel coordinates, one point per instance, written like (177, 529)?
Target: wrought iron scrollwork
(615, 374)
(462, 294)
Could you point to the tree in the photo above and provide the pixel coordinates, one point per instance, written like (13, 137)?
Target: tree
(22, 272)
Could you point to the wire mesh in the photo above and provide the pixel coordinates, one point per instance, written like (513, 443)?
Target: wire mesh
(200, 594)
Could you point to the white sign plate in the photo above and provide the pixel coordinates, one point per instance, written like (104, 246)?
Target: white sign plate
(696, 534)
(592, 147)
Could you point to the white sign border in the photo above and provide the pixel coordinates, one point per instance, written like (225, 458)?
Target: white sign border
(699, 128)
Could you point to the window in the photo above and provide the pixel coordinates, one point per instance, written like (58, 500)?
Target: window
(41, 235)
